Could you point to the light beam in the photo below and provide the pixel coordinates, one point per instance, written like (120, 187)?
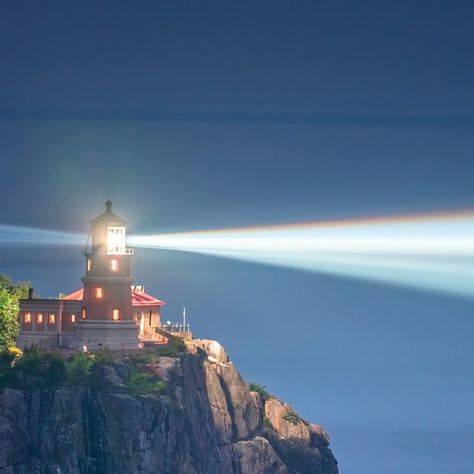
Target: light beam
(430, 252)
(11, 235)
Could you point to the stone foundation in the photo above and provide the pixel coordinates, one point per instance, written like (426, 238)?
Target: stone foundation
(100, 334)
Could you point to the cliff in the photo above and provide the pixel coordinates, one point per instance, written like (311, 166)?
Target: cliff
(206, 421)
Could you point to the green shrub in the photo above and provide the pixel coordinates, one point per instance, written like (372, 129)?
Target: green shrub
(102, 357)
(54, 368)
(30, 361)
(8, 358)
(176, 347)
(79, 368)
(145, 357)
(260, 389)
(48, 367)
(144, 383)
(292, 417)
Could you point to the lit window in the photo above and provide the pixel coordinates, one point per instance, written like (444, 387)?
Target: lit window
(83, 313)
(89, 264)
(73, 318)
(39, 318)
(114, 265)
(115, 314)
(115, 240)
(98, 293)
(27, 318)
(51, 318)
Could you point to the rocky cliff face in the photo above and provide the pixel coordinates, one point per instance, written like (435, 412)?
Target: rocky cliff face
(208, 422)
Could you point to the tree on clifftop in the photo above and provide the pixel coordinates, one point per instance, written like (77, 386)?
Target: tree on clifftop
(9, 326)
(20, 288)
(9, 308)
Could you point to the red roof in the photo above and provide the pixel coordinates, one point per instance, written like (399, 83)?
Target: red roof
(139, 298)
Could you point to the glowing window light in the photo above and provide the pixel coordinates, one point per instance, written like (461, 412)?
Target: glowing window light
(27, 318)
(51, 318)
(116, 314)
(83, 313)
(114, 265)
(73, 318)
(89, 264)
(98, 292)
(39, 318)
(116, 240)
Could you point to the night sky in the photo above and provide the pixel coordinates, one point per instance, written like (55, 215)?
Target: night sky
(200, 115)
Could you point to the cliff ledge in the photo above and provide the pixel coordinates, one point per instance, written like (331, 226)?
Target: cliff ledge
(206, 421)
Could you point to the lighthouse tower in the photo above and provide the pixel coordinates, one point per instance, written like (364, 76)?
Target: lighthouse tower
(106, 319)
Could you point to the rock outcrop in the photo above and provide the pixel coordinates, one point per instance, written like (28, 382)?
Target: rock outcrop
(208, 421)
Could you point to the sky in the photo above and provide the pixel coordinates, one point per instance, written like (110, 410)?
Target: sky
(207, 115)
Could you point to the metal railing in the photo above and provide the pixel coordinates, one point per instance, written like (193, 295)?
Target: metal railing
(182, 328)
(151, 336)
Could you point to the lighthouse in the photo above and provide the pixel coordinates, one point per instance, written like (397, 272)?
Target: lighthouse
(107, 312)
(106, 316)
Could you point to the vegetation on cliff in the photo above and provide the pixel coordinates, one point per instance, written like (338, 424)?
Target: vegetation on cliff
(42, 369)
(49, 369)
(10, 294)
(260, 389)
(9, 326)
(175, 348)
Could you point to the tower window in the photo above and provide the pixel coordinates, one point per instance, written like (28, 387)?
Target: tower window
(89, 264)
(73, 318)
(115, 240)
(39, 318)
(27, 318)
(51, 318)
(115, 314)
(98, 292)
(114, 265)
(83, 313)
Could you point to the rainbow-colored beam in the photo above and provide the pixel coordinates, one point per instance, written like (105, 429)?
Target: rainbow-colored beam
(425, 251)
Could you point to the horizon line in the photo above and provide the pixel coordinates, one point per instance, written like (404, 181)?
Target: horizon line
(270, 118)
